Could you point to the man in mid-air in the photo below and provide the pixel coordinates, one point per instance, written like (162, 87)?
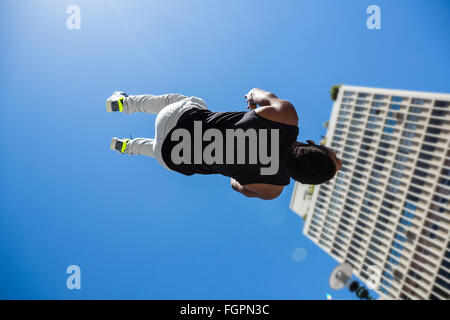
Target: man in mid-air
(257, 149)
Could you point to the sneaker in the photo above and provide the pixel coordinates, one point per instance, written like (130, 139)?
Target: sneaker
(119, 145)
(115, 102)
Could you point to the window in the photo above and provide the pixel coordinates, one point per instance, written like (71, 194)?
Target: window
(367, 140)
(406, 142)
(415, 110)
(382, 289)
(408, 214)
(388, 130)
(431, 139)
(420, 173)
(397, 174)
(436, 122)
(375, 111)
(412, 118)
(397, 245)
(434, 131)
(409, 134)
(380, 160)
(393, 261)
(378, 167)
(425, 156)
(397, 99)
(362, 102)
(440, 199)
(418, 101)
(428, 148)
(441, 104)
(379, 97)
(411, 126)
(391, 189)
(405, 222)
(423, 165)
(394, 107)
(394, 181)
(412, 198)
(376, 174)
(401, 158)
(439, 113)
(368, 203)
(400, 237)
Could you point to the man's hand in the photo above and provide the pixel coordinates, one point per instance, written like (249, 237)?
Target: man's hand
(259, 97)
(237, 187)
(251, 103)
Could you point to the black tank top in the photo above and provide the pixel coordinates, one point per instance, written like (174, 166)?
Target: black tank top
(244, 173)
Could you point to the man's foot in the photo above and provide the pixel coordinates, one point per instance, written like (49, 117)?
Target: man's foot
(115, 102)
(119, 145)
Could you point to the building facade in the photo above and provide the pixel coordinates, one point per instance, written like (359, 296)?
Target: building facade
(388, 208)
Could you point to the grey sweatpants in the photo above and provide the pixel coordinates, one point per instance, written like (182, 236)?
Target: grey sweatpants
(169, 108)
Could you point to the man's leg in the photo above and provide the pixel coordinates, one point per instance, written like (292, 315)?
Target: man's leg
(137, 146)
(148, 103)
(141, 146)
(168, 114)
(165, 121)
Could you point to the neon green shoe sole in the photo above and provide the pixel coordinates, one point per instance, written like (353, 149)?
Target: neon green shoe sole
(119, 145)
(115, 102)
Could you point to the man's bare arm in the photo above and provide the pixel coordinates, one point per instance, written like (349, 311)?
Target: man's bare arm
(237, 187)
(257, 190)
(273, 108)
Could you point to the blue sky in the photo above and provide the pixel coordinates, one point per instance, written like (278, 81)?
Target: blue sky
(136, 230)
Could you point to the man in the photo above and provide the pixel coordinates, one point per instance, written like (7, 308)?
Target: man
(256, 149)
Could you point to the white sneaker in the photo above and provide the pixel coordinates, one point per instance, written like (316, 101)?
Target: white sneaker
(119, 145)
(115, 102)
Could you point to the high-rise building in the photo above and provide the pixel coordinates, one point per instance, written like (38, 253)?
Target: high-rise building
(388, 208)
